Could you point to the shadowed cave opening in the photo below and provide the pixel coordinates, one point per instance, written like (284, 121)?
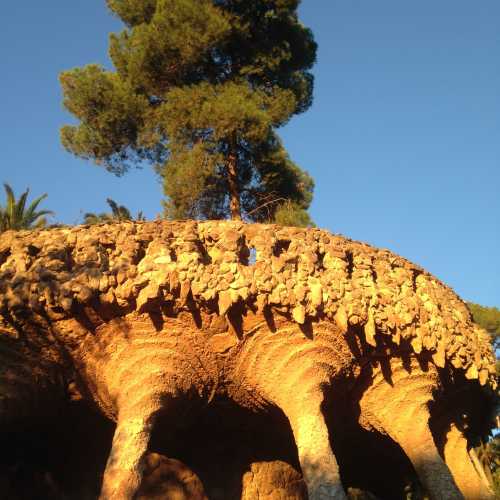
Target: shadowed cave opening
(64, 456)
(220, 442)
(58, 457)
(368, 460)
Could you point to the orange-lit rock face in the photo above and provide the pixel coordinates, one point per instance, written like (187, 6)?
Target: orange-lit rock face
(155, 321)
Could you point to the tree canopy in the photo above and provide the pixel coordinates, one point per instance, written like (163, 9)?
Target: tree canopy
(489, 452)
(16, 215)
(199, 89)
(489, 319)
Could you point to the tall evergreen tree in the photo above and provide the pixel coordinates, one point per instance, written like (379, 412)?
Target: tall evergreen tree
(199, 89)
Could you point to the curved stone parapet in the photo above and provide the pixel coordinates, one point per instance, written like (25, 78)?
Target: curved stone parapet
(152, 320)
(309, 273)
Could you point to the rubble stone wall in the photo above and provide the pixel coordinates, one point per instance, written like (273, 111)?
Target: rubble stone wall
(137, 317)
(310, 273)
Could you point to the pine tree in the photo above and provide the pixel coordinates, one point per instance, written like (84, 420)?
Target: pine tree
(199, 89)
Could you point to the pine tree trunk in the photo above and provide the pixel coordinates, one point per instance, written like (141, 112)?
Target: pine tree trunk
(234, 202)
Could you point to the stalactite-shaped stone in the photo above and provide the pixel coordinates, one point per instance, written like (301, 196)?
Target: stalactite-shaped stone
(341, 319)
(370, 330)
(472, 372)
(416, 344)
(299, 314)
(225, 302)
(439, 357)
(184, 293)
(146, 295)
(115, 264)
(316, 293)
(483, 377)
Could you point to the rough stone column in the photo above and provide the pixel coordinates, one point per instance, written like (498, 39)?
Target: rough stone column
(399, 407)
(291, 371)
(471, 482)
(123, 474)
(318, 463)
(415, 438)
(143, 372)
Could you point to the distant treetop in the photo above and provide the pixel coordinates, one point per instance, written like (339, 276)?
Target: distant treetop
(488, 318)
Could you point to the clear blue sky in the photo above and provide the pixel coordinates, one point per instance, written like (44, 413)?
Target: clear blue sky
(403, 138)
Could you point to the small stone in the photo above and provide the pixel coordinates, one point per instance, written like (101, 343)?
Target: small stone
(483, 376)
(472, 372)
(209, 294)
(439, 357)
(173, 281)
(416, 344)
(299, 314)
(222, 342)
(341, 319)
(300, 293)
(396, 337)
(370, 331)
(225, 302)
(66, 303)
(84, 295)
(121, 276)
(261, 302)
(316, 294)
(107, 298)
(104, 283)
(185, 289)
(146, 296)
(223, 285)
(244, 292)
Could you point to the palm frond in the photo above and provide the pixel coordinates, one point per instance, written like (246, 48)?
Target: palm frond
(20, 206)
(9, 205)
(118, 212)
(31, 215)
(34, 204)
(124, 213)
(115, 209)
(15, 215)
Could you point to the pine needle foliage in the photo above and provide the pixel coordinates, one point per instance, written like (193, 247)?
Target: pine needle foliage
(199, 89)
(16, 214)
(489, 319)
